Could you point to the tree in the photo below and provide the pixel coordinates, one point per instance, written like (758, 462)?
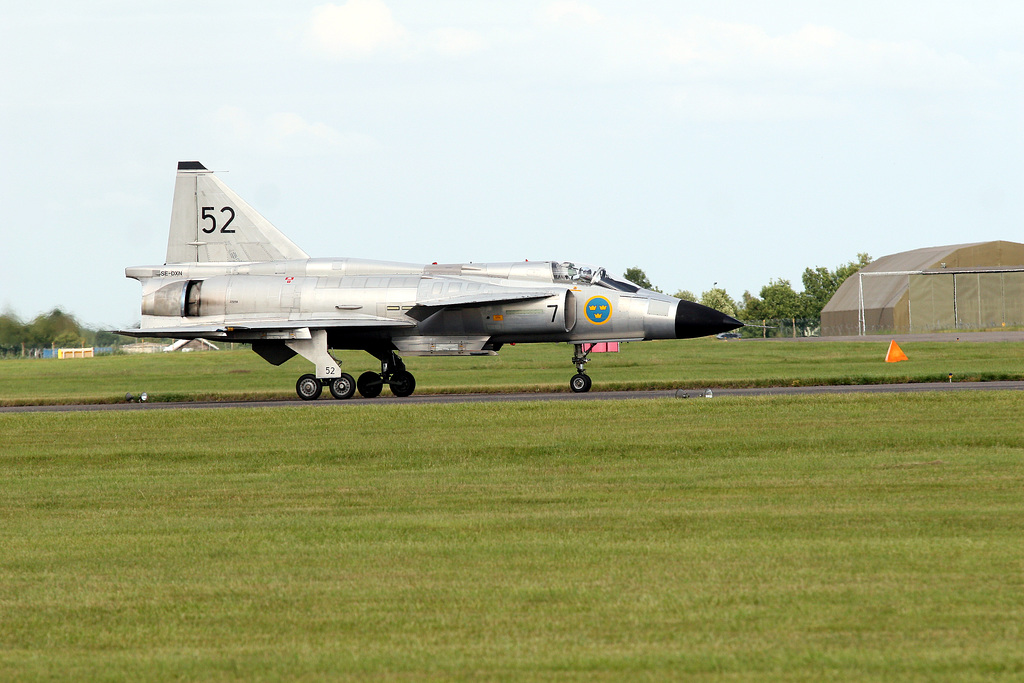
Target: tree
(12, 331)
(685, 295)
(638, 277)
(43, 331)
(55, 328)
(69, 340)
(778, 301)
(749, 308)
(105, 338)
(820, 284)
(718, 299)
(46, 327)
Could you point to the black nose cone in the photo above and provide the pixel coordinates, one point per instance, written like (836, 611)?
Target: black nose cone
(694, 320)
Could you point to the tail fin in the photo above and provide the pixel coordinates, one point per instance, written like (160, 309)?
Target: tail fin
(210, 223)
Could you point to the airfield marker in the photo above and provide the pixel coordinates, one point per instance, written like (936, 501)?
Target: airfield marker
(895, 353)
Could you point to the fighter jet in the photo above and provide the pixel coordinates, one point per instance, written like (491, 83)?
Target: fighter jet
(230, 275)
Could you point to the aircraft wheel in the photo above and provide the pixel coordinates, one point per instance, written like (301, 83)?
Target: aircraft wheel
(343, 386)
(403, 383)
(580, 383)
(308, 388)
(370, 385)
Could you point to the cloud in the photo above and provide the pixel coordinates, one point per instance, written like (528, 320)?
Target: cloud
(455, 42)
(714, 69)
(571, 11)
(704, 48)
(287, 133)
(365, 29)
(819, 56)
(354, 30)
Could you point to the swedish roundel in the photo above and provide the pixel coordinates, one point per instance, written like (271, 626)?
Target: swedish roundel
(598, 310)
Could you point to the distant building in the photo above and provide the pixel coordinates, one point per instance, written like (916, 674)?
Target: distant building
(75, 353)
(961, 286)
(191, 345)
(143, 347)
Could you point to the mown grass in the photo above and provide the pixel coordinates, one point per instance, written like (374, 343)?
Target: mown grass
(784, 538)
(241, 374)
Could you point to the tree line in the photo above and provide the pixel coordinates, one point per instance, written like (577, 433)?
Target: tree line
(777, 300)
(55, 329)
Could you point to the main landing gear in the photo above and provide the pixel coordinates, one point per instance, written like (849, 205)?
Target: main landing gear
(392, 372)
(370, 384)
(309, 387)
(580, 382)
(328, 372)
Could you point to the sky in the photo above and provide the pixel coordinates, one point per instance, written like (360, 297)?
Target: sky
(728, 142)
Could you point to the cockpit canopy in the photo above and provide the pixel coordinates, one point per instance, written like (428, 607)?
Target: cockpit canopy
(567, 271)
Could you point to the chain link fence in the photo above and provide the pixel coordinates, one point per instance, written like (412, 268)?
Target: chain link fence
(780, 328)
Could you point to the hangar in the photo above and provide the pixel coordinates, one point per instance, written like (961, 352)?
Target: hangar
(960, 286)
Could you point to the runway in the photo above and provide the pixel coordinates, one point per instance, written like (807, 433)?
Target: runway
(519, 397)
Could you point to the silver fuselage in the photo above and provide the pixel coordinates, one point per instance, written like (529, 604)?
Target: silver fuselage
(421, 301)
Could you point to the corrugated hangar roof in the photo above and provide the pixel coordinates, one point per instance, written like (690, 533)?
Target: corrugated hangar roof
(885, 292)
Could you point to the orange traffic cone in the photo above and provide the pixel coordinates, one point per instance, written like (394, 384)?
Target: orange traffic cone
(895, 353)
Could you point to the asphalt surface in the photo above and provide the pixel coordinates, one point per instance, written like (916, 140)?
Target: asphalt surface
(499, 398)
(994, 336)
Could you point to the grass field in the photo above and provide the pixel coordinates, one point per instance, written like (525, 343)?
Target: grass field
(786, 538)
(230, 375)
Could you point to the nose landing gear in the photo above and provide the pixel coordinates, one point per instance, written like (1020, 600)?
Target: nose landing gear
(581, 382)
